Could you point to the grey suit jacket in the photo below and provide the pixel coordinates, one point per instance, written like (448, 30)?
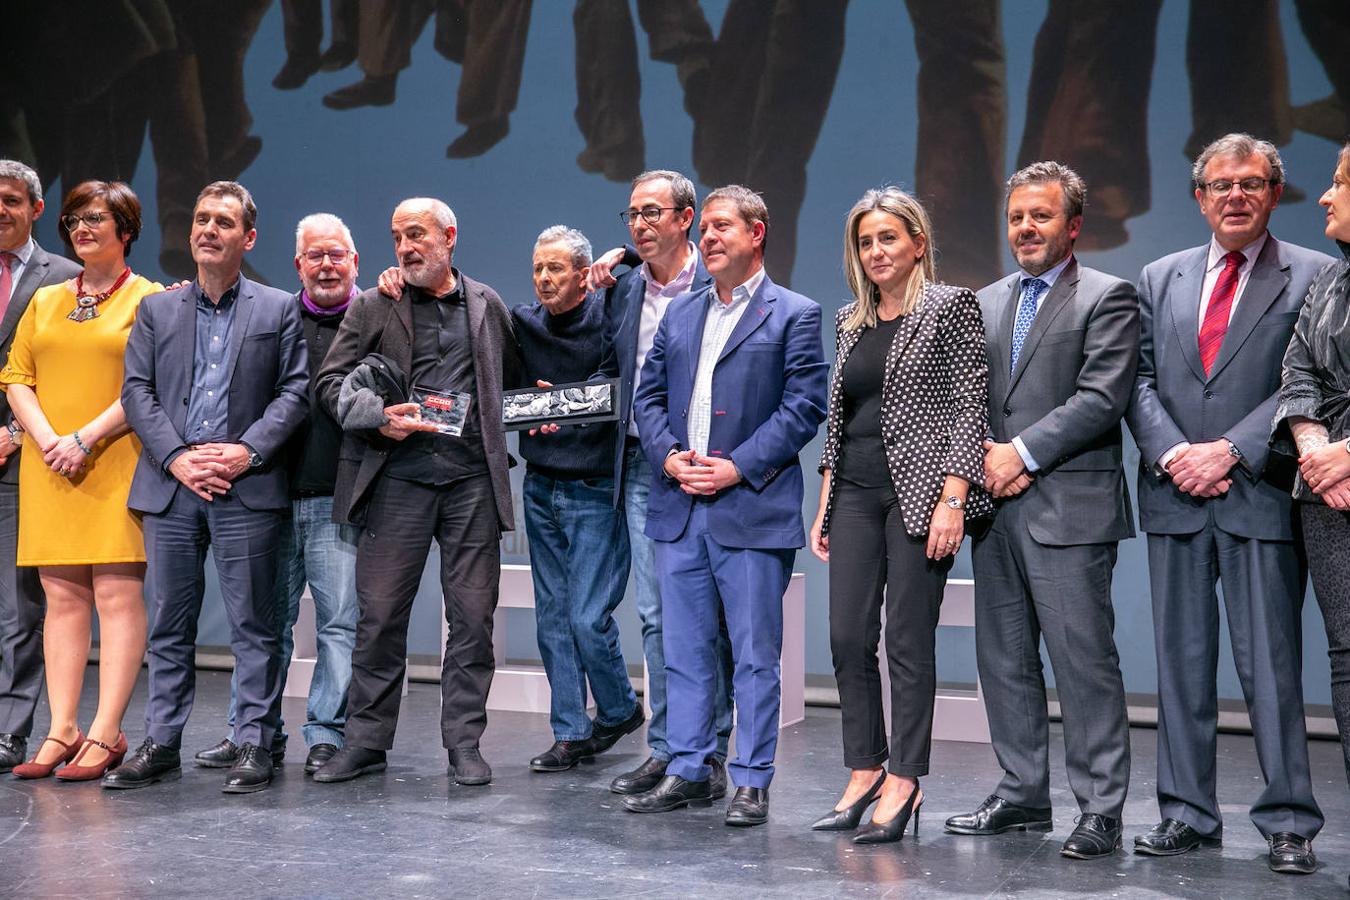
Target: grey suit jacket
(1065, 400)
(1175, 401)
(43, 269)
(377, 324)
(268, 385)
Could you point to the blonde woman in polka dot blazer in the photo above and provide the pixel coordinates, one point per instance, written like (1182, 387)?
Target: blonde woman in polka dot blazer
(907, 415)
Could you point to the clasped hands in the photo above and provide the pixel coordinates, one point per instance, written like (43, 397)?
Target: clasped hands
(1005, 475)
(701, 475)
(1327, 471)
(210, 469)
(1202, 470)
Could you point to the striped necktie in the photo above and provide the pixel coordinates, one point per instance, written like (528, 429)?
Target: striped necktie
(1220, 309)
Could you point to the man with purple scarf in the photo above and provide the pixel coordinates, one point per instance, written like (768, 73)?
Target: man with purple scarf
(313, 549)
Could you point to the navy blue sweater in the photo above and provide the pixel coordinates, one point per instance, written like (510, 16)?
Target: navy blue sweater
(561, 349)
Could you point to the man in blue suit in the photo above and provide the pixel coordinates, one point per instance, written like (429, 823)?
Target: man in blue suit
(1216, 321)
(216, 380)
(666, 264)
(733, 388)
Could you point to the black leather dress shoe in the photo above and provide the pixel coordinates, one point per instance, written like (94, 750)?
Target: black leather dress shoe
(749, 806)
(1096, 836)
(318, 755)
(1291, 854)
(562, 756)
(295, 72)
(478, 139)
(13, 751)
(225, 754)
(717, 779)
(252, 771)
(369, 91)
(642, 779)
(603, 737)
(996, 815)
(1172, 838)
(672, 792)
(151, 763)
(468, 766)
(348, 763)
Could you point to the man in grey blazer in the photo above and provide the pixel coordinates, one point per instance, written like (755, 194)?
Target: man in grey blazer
(24, 267)
(1216, 321)
(407, 485)
(1063, 345)
(215, 383)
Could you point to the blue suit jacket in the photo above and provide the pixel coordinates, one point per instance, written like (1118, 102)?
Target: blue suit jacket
(1175, 401)
(269, 384)
(769, 393)
(623, 315)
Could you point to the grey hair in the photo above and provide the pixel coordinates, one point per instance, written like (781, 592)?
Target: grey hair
(443, 215)
(325, 221)
(1046, 172)
(573, 240)
(1240, 146)
(681, 188)
(13, 169)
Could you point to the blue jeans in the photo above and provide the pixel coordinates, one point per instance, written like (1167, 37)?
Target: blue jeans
(579, 563)
(314, 549)
(637, 484)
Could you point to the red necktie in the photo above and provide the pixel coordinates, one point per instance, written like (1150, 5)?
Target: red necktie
(6, 280)
(1220, 306)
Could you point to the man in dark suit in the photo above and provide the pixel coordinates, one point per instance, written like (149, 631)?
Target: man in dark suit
(659, 215)
(1216, 322)
(215, 384)
(24, 267)
(733, 388)
(1063, 344)
(407, 485)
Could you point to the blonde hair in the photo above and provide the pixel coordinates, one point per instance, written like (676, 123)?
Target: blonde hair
(893, 201)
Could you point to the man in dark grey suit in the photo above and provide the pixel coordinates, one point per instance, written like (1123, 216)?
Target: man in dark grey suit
(1216, 321)
(216, 381)
(24, 267)
(1063, 344)
(406, 484)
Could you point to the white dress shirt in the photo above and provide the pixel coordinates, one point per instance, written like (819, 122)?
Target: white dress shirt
(721, 321)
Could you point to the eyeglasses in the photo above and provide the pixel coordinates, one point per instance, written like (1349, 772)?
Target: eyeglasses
(650, 214)
(1250, 186)
(336, 256)
(91, 219)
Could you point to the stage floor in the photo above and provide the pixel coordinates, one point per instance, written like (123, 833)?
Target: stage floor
(412, 832)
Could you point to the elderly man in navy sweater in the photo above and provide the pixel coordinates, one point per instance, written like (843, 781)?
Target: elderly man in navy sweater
(579, 551)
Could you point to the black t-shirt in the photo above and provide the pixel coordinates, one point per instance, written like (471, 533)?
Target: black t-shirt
(862, 454)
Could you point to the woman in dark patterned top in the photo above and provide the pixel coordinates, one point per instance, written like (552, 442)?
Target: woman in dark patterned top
(906, 419)
(1315, 402)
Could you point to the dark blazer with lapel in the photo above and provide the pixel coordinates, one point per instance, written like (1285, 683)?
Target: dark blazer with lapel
(376, 324)
(1065, 400)
(934, 404)
(43, 269)
(623, 315)
(269, 381)
(1175, 401)
(769, 391)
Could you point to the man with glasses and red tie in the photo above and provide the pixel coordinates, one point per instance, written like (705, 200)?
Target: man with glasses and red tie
(24, 267)
(1216, 320)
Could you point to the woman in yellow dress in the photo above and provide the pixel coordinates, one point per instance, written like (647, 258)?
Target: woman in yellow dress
(64, 378)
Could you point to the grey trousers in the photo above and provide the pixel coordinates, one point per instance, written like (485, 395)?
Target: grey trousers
(22, 607)
(1025, 591)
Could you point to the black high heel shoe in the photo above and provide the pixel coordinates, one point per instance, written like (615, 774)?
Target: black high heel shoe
(886, 832)
(848, 819)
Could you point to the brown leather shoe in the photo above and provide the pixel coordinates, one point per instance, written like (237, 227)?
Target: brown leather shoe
(76, 772)
(35, 769)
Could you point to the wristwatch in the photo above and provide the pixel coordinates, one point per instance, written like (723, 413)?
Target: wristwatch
(254, 459)
(955, 502)
(1233, 451)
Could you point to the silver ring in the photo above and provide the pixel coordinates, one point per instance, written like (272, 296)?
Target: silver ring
(952, 543)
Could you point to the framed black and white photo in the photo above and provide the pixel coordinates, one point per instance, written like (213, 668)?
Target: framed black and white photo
(563, 404)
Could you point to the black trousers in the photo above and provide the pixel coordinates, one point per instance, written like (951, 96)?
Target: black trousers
(871, 556)
(1326, 535)
(403, 519)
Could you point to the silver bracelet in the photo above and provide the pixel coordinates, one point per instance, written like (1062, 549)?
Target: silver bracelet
(79, 443)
